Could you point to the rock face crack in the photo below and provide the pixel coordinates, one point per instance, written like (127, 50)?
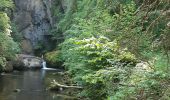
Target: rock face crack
(33, 19)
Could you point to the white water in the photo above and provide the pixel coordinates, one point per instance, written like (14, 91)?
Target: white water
(45, 66)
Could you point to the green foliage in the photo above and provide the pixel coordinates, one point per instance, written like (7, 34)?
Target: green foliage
(150, 86)
(4, 21)
(7, 45)
(6, 4)
(104, 39)
(158, 60)
(16, 35)
(2, 63)
(54, 58)
(87, 57)
(8, 48)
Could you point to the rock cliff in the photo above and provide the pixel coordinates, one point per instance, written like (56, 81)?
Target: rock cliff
(33, 18)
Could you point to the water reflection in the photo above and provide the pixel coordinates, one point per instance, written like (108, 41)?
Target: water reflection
(31, 84)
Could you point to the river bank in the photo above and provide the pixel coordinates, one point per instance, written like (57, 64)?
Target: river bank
(33, 85)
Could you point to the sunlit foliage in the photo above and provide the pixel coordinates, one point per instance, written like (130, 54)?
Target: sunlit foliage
(117, 49)
(8, 47)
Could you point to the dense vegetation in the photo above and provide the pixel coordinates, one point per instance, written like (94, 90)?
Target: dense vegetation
(116, 49)
(8, 48)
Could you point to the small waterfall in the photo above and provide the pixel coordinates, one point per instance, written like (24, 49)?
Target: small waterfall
(44, 64)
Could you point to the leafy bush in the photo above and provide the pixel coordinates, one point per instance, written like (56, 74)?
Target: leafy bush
(88, 57)
(6, 4)
(104, 39)
(2, 63)
(8, 48)
(54, 59)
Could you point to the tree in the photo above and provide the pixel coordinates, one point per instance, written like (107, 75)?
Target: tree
(8, 48)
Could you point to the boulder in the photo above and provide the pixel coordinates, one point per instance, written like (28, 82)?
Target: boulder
(143, 66)
(27, 62)
(8, 67)
(53, 59)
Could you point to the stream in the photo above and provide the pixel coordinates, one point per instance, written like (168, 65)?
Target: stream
(29, 85)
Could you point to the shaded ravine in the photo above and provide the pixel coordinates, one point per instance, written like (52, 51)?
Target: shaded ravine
(31, 85)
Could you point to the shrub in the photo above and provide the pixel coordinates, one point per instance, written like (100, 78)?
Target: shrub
(54, 59)
(8, 48)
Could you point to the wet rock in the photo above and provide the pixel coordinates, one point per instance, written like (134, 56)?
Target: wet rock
(2, 73)
(24, 62)
(8, 67)
(33, 19)
(53, 59)
(16, 90)
(27, 46)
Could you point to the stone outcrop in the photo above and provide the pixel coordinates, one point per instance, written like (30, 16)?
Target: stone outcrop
(33, 19)
(143, 66)
(27, 62)
(53, 59)
(8, 67)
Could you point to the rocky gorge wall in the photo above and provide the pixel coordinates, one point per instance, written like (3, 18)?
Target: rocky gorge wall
(33, 19)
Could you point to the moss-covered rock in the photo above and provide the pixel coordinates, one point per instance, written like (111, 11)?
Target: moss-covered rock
(54, 59)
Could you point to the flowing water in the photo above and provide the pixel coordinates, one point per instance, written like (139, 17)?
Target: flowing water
(45, 66)
(28, 85)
